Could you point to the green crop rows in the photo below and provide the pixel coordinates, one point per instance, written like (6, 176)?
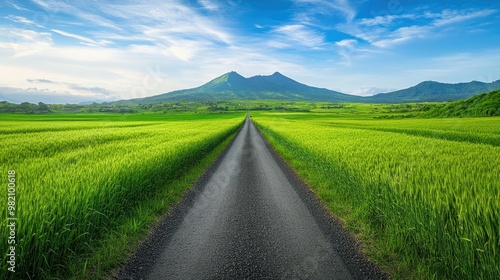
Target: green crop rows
(422, 195)
(76, 179)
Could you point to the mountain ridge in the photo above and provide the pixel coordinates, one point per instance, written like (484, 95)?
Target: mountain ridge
(433, 91)
(233, 86)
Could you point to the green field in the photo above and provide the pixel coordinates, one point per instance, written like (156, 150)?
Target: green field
(88, 185)
(422, 195)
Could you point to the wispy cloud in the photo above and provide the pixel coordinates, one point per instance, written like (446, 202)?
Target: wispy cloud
(369, 91)
(17, 7)
(347, 43)
(401, 35)
(343, 7)
(346, 49)
(384, 20)
(23, 41)
(305, 27)
(178, 29)
(209, 5)
(97, 91)
(88, 14)
(84, 40)
(35, 95)
(23, 20)
(160, 24)
(302, 35)
(449, 17)
(42, 81)
(94, 90)
(390, 30)
(350, 49)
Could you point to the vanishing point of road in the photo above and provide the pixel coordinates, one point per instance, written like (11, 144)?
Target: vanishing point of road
(249, 217)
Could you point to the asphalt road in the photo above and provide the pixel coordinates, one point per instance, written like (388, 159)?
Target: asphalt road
(249, 217)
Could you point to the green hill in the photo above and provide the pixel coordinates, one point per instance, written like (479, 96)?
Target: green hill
(481, 105)
(430, 91)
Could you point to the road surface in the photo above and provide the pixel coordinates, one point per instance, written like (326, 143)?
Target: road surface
(249, 217)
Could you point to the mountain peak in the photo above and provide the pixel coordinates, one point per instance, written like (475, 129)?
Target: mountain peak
(233, 73)
(282, 79)
(229, 81)
(234, 77)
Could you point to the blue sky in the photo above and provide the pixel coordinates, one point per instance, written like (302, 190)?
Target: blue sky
(72, 51)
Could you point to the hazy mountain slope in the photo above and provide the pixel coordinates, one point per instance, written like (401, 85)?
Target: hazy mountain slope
(433, 91)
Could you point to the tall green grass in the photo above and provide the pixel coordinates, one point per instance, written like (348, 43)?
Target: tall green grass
(75, 184)
(425, 207)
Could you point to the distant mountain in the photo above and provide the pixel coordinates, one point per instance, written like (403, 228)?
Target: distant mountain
(233, 86)
(430, 91)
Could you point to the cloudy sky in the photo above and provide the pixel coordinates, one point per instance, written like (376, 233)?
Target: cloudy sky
(72, 51)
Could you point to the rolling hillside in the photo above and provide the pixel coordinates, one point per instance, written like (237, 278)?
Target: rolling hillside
(481, 105)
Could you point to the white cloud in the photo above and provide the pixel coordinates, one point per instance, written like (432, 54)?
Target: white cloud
(350, 49)
(302, 35)
(167, 22)
(84, 40)
(23, 41)
(88, 14)
(94, 91)
(346, 43)
(402, 35)
(17, 7)
(392, 30)
(209, 5)
(448, 17)
(384, 20)
(46, 5)
(23, 20)
(454, 67)
(369, 91)
(35, 95)
(347, 48)
(328, 7)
